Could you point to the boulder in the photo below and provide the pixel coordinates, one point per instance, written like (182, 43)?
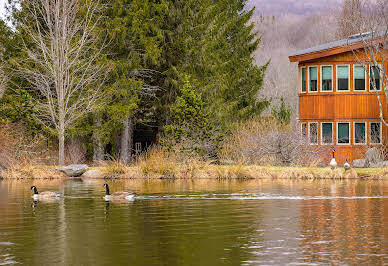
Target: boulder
(379, 165)
(373, 156)
(92, 174)
(74, 170)
(360, 163)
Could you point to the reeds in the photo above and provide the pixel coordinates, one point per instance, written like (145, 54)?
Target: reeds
(158, 163)
(30, 171)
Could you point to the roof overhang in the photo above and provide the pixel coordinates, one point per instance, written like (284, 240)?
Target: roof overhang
(352, 43)
(326, 52)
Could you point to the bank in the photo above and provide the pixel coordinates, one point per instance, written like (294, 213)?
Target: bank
(198, 171)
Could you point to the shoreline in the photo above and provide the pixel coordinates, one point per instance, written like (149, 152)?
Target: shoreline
(194, 171)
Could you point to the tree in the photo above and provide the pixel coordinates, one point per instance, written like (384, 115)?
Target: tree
(350, 19)
(371, 46)
(190, 131)
(61, 61)
(213, 42)
(283, 115)
(133, 54)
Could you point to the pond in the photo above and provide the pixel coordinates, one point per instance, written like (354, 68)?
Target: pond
(196, 222)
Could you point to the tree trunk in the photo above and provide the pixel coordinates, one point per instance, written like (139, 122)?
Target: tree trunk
(61, 139)
(126, 141)
(98, 151)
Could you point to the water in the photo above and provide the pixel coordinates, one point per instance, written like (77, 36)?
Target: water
(202, 222)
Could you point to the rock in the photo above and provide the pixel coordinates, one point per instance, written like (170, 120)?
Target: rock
(74, 170)
(373, 156)
(92, 174)
(360, 163)
(379, 165)
(350, 173)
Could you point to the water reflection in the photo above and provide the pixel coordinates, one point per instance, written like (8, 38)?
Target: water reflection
(196, 222)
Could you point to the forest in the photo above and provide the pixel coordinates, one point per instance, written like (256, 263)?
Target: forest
(87, 81)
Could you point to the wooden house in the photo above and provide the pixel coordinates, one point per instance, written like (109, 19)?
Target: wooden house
(338, 105)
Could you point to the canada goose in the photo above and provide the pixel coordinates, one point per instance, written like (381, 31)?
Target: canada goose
(346, 165)
(118, 195)
(44, 194)
(333, 163)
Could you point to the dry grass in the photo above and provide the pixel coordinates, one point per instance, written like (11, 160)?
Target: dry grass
(241, 171)
(115, 169)
(158, 163)
(31, 171)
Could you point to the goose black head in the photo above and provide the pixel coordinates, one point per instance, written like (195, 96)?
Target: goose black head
(106, 189)
(35, 189)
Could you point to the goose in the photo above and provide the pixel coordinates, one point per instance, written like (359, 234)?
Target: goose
(118, 195)
(45, 194)
(347, 165)
(333, 163)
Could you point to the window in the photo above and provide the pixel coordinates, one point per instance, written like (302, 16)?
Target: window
(359, 78)
(303, 79)
(313, 79)
(327, 78)
(327, 133)
(343, 133)
(304, 129)
(375, 132)
(374, 78)
(313, 133)
(359, 133)
(342, 78)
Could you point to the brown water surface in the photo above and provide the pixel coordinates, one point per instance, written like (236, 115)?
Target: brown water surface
(200, 222)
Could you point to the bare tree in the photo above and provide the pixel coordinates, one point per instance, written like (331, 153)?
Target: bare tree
(370, 47)
(62, 61)
(350, 18)
(279, 38)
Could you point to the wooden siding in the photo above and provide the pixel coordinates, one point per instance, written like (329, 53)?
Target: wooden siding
(341, 106)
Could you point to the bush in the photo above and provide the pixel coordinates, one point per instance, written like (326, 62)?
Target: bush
(269, 142)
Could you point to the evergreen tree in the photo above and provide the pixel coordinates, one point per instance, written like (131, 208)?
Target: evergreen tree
(213, 42)
(283, 115)
(190, 130)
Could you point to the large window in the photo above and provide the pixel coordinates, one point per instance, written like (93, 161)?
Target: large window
(359, 78)
(359, 133)
(313, 133)
(342, 78)
(313, 79)
(327, 133)
(304, 129)
(375, 132)
(374, 78)
(327, 78)
(343, 133)
(303, 79)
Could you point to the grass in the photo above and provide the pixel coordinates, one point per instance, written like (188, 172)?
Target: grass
(157, 166)
(31, 171)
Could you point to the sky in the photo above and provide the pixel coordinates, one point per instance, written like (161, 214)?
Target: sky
(273, 7)
(298, 7)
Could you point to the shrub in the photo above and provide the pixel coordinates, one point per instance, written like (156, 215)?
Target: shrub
(268, 142)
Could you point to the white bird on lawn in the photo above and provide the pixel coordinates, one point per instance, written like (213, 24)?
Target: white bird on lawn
(333, 163)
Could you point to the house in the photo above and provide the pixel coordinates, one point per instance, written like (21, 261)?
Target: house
(338, 103)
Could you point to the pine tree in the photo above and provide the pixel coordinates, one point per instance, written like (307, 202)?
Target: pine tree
(190, 130)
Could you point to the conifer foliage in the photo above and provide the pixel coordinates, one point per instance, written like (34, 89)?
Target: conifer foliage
(153, 46)
(190, 130)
